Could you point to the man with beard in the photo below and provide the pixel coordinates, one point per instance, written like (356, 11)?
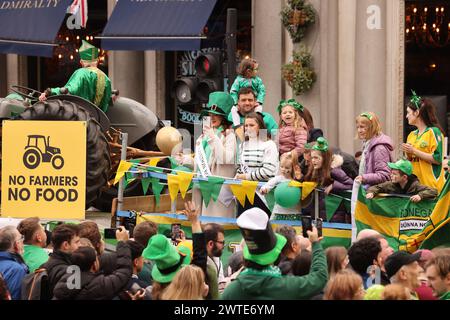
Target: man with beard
(215, 243)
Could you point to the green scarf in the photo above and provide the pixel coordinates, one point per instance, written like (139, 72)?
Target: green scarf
(205, 143)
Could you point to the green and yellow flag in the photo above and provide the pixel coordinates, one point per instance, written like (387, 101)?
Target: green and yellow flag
(407, 226)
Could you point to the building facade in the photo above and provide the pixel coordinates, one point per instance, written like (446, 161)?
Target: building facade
(358, 49)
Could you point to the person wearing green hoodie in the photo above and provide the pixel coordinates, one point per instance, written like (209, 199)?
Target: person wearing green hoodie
(438, 275)
(262, 279)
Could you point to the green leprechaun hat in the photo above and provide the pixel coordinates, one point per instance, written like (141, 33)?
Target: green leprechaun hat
(219, 103)
(88, 52)
(263, 245)
(168, 260)
(321, 145)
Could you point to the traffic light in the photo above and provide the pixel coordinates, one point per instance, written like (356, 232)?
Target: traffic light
(209, 78)
(210, 75)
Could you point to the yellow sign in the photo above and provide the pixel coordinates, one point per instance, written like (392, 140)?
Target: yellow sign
(44, 169)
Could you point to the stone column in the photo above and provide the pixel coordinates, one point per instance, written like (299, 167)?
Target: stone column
(267, 48)
(347, 71)
(16, 71)
(126, 70)
(154, 85)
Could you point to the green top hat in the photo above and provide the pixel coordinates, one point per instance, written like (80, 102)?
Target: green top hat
(263, 246)
(290, 102)
(403, 165)
(219, 103)
(321, 145)
(88, 52)
(168, 260)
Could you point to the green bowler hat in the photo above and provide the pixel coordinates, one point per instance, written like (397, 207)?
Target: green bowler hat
(219, 103)
(168, 260)
(403, 165)
(88, 52)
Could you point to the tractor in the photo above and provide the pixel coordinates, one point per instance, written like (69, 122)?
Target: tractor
(103, 130)
(38, 150)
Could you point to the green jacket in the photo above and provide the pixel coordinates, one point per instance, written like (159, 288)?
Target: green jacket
(445, 296)
(34, 256)
(269, 284)
(412, 187)
(269, 121)
(91, 84)
(255, 83)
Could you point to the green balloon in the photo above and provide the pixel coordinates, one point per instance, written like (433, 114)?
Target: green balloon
(287, 196)
(185, 169)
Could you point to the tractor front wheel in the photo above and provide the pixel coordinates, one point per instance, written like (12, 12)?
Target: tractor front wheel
(31, 159)
(57, 162)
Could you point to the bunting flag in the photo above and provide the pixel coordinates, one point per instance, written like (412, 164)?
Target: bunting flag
(173, 181)
(250, 189)
(307, 187)
(184, 181)
(123, 168)
(156, 188)
(153, 162)
(145, 182)
(239, 193)
(406, 225)
(210, 188)
(244, 190)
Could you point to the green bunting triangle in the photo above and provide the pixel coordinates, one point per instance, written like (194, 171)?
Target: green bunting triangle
(210, 189)
(331, 205)
(270, 198)
(156, 188)
(145, 184)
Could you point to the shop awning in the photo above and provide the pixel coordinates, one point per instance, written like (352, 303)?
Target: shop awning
(29, 27)
(157, 25)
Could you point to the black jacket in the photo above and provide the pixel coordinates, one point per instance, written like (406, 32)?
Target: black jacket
(56, 267)
(97, 286)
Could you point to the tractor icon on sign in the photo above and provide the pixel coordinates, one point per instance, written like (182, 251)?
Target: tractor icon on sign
(38, 150)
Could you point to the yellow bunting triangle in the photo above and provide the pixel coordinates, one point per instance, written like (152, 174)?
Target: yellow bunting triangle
(123, 168)
(250, 189)
(153, 162)
(307, 187)
(239, 192)
(184, 181)
(174, 186)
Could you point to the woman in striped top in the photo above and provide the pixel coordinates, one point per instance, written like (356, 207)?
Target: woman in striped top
(259, 155)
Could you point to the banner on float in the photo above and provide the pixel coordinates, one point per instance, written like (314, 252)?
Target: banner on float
(44, 169)
(335, 234)
(407, 226)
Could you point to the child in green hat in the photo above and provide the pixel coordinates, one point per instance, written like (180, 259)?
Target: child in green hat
(403, 181)
(88, 82)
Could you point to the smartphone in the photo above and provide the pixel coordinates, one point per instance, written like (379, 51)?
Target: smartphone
(319, 222)
(110, 233)
(206, 123)
(306, 225)
(176, 227)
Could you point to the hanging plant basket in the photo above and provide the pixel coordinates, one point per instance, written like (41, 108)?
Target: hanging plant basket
(299, 73)
(296, 17)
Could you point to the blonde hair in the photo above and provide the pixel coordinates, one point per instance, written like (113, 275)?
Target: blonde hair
(345, 285)
(373, 123)
(395, 292)
(293, 157)
(188, 284)
(299, 122)
(335, 256)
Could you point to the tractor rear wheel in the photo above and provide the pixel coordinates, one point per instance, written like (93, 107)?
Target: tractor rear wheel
(31, 158)
(98, 162)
